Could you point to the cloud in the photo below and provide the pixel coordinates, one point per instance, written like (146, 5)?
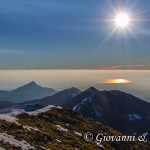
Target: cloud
(125, 67)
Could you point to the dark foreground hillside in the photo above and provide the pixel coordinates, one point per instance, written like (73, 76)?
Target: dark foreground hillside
(59, 129)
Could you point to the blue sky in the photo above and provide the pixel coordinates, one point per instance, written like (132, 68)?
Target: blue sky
(72, 34)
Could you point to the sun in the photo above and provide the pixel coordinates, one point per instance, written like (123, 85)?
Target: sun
(122, 20)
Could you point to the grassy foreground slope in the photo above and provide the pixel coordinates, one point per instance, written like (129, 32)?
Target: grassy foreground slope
(60, 129)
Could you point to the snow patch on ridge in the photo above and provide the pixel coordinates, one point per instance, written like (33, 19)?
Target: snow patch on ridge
(78, 133)
(59, 127)
(78, 106)
(58, 140)
(133, 117)
(42, 110)
(20, 109)
(10, 113)
(11, 140)
(30, 128)
(9, 118)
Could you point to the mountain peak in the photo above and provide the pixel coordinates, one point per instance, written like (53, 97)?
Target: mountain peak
(31, 84)
(74, 89)
(91, 89)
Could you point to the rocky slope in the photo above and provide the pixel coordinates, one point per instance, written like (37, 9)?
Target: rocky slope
(56, 128)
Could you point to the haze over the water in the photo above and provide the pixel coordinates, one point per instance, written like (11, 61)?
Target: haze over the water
(61, 79)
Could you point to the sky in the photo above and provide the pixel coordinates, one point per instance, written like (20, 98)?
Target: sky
(73, 34)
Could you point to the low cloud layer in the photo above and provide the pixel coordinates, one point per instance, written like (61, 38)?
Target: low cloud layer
(125, 67)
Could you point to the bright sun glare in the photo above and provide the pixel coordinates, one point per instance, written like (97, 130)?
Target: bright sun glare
(122, 20)
(118, 81)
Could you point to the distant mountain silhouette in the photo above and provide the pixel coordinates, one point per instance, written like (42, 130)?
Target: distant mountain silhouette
(4, 94)
(119, 110)
(29, 91)
(4, 104)
(59, 98)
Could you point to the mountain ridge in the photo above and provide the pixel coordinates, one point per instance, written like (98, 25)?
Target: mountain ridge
(26, 92)
(119, 110)
(57, 99)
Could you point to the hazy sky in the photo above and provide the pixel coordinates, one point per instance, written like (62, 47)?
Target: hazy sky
(83, 79)
(73, 34)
